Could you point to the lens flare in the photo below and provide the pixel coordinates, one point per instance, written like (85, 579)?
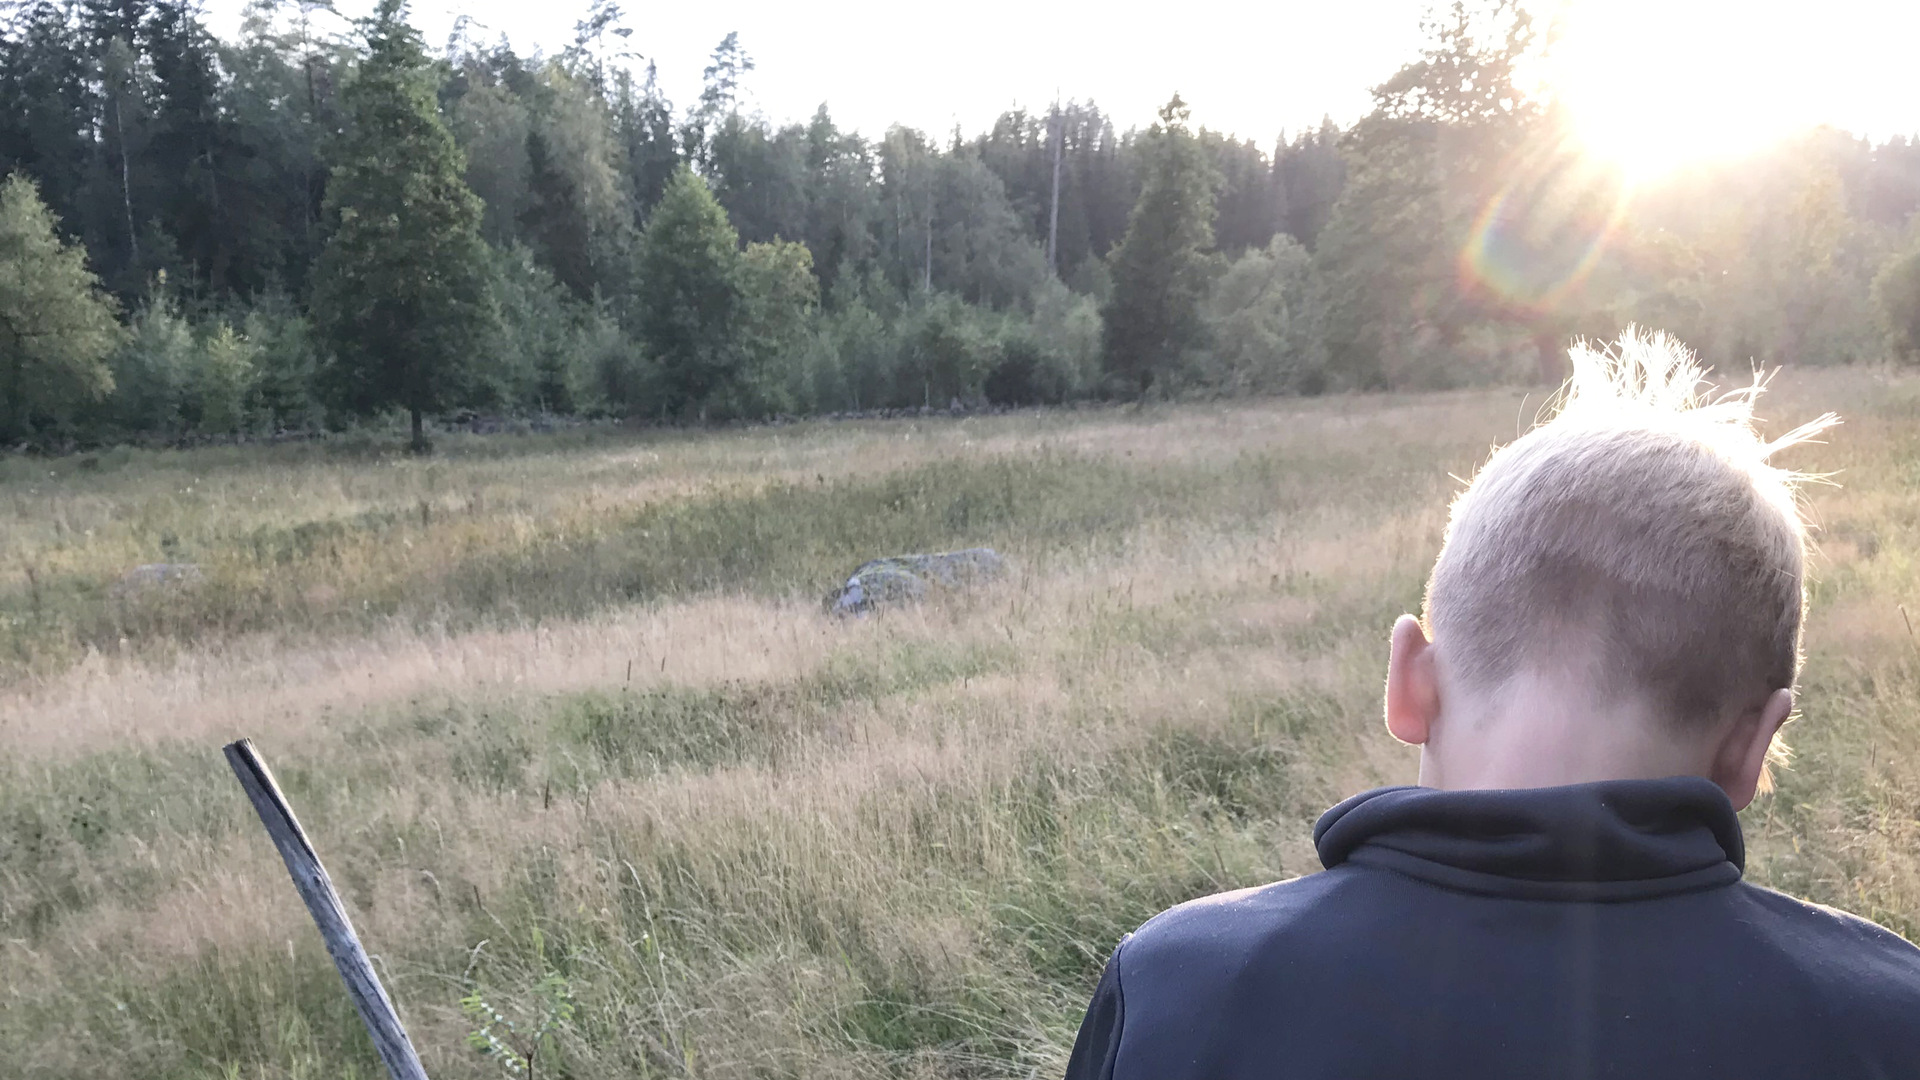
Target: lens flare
(1538, 239)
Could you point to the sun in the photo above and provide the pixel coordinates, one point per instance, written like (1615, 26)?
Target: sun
(1653, 86)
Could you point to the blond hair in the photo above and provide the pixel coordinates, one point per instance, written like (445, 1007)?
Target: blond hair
(1641, 537)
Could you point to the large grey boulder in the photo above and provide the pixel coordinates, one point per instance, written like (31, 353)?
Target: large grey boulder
(904, 579)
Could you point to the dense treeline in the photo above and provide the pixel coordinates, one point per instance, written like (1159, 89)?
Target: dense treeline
(306, 225)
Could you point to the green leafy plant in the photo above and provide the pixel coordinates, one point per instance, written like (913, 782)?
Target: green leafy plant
(521, 1043)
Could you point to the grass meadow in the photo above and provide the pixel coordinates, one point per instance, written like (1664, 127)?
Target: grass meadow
(564, 717)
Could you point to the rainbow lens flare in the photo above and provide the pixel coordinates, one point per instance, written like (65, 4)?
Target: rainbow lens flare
(1538, 239)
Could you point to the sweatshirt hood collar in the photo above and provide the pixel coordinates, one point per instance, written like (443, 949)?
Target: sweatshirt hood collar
(1612, 840)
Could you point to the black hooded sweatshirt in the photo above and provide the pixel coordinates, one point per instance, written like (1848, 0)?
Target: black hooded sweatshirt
(1596, 930)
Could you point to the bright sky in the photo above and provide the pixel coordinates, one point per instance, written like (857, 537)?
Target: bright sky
(1252, 68)
(1656, 83)
(1651, 78)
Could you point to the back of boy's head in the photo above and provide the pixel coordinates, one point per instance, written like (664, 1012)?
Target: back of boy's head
(1640, 541)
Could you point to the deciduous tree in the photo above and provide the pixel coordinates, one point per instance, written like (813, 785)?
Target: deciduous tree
(689, 294)
(1896, 296)
(56, 327)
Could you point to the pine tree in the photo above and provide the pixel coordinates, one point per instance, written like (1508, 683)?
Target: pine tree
(719, 97)
(56, 327)
(1161, 269)
(688, 299)
(402, 292)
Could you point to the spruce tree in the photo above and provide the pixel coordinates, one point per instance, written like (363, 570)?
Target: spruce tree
(189, 142)
(1161, 269)
(555, 222)
(56, 327)
(402, 290)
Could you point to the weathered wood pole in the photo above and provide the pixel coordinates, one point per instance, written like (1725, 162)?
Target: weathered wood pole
(310, 879)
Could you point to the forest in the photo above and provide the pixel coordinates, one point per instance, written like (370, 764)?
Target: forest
(323, 223)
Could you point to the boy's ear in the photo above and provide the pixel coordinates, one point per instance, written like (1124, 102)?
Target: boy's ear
(1413, 686)
(1742, 754)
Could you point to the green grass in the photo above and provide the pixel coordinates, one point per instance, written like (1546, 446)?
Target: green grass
(343, 573)
(608, 738)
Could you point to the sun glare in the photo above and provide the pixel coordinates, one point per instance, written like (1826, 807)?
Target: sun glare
(1656, 85)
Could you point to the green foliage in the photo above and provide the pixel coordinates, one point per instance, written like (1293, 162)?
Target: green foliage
(574, 215)
(979, 252)
(278, 110)
(153, 370)
(288, 364)
(402, 292)
(1051, 356)
(178, 381)
(1777, 270)
(946, 348)
(522, 1045)
(1896, 298)
(1447, 135)
(546, 355)
(56, 329)
(491, 123)
(851, 363)
(1459, 234)
(1096, 180)
(1161, 270)
(762, 178)
(688, 302)
(223, 381)
(1467, 71)
(622, 377)
(1266, 319)
(779, 297)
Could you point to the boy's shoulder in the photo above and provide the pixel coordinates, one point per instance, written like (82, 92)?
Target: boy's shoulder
(1333, 918)
(1329, 900)
(1214, 937)
(1827, 943)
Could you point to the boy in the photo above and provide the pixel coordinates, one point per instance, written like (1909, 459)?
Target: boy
(1609, 650)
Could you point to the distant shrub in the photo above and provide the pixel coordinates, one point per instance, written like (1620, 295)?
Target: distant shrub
(223, 377)
(1025, 372)
(946, 350)
(287, 355)
(153, 370)
(1896, 300)
(1267, 321)
(855, 354)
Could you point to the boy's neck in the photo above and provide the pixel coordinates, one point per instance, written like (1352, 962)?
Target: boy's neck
(1543, 732)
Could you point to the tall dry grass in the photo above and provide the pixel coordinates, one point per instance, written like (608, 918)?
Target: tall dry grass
(582, 722)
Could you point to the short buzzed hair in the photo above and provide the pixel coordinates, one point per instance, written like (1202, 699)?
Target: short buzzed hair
(1641, 537)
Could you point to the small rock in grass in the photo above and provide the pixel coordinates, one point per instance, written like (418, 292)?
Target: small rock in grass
(155, 575)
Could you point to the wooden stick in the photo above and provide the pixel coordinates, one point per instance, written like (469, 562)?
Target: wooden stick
(316, 888)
